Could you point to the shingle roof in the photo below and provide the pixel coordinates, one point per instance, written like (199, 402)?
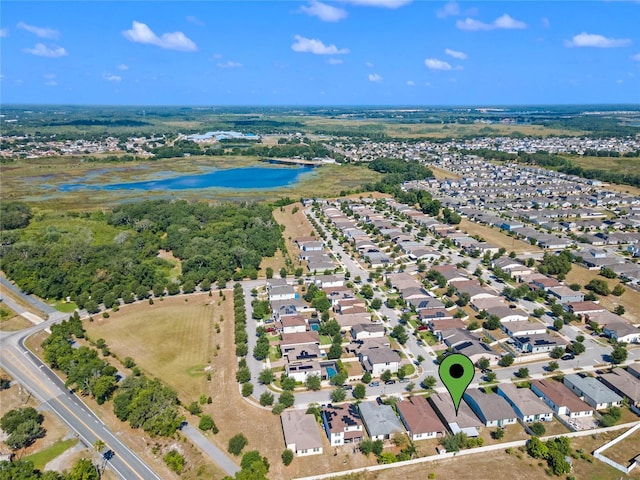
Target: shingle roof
(524, 399)
(300, 429)
(561, 395)
(419, 415)
(492, 406)
(380, 419)
(591, 388)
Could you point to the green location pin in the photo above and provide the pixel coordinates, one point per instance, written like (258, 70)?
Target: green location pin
(456, 372)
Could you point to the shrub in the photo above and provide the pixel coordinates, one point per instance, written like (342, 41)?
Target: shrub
(236, 444)
(174, 460)
(287, 457)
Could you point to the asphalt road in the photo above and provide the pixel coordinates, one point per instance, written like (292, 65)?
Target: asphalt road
(28, 370)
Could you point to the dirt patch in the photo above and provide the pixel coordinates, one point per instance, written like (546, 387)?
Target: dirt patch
(295, 225)
(497, 237)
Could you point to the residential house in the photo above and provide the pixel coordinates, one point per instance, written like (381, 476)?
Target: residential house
(362, 331)
(419, 418)
(493, 410)
(592, 391)
(561, 399)
(301, 370)
(380, 421)
(508, 313)
(342, 424)
(521, 328)
(622, 332)
(538, 343)
(292, 340)
(329, 281)
(624, 384)
(281, 292)
(307, 351)
(525, 403)
(293, 324)
(378, 360)
(463, 421)
(301, 434)
(565, 294)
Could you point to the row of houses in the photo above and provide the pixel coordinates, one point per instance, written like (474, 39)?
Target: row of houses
(577, 397)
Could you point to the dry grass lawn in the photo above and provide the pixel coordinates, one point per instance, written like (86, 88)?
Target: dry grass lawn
(497, 237)
(173, 339)
(625, 451)
(630, 299)
(295, 225)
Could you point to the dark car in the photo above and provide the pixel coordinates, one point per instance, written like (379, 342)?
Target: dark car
(390, 382)
(347, 387)
(486, 370)
(568, 356)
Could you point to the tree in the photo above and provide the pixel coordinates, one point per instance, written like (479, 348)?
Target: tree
(386, 376)
(378, 446)
(286, 399)
(247, 389)
(243, 375)
(207, 423)
(577, 348)
(558, 323)
(313, 382)
(366, 378)
(376, 303)
(237, 443)
(367, 291)
(483, 363)
(536, 448)
(498, 434)
(491, 377)
(338, 394)
(557, 352)
(266, 376)
(266, 399)
(523, 372)
(366, 446)
(287, 383)
(269, 272)
(335, 351)
(553, 366)
(429, 382)
(174, 460)
(619, 354)
(538, 429)
(619, 310)
(359, 391)
(339, 378)
(283, 272)
(506, 361)
(400, 334)
(492, 323)
(251, 457)
(287, 457)
(599, 286)
(83, 469)
(23, 426)
(618, 290)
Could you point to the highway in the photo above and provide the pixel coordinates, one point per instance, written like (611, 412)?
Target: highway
(44, 384)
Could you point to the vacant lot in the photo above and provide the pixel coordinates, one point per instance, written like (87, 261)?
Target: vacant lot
(496, 237)
(295, 225)
(173, 340)
(630, 299)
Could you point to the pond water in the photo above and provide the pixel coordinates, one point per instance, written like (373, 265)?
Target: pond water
(249, 178)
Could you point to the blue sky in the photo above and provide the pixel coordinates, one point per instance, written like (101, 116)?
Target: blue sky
(349, 52)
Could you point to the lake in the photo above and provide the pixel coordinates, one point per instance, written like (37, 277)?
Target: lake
(256, 178)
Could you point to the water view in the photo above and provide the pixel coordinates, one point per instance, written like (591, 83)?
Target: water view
(247, 178)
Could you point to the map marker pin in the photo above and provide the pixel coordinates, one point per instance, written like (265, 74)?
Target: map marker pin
(456, 372)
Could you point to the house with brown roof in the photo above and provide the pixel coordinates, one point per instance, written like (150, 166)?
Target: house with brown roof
(562, 400)
(292, 340)
(624, 384)
(419, 418)
(301, 434)
(342, 424)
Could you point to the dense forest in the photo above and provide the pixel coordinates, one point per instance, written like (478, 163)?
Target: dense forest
(214, 244)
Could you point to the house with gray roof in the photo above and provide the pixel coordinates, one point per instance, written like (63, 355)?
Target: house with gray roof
(525, 403)
(380, 421)
(492, 409)
(301, 434)
(377, 360)
(592, 391)
(624, 384)
(464, 421)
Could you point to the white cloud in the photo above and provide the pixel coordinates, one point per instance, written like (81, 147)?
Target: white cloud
(216, 56)
(451, 9)
(51, 83)
(435, 64)
(315, 46)
(379, 3)
(41, 50)
(619, 81)
(545, 22)
(109, 77)
(411, 83)
(374, 77)
(636, 57)
(4, 32)
(122, 67)
(42, 32)
(326, 13)
(455, 54)
(141, 33)
(334, 61)
(195, 20)
(368, 64)
(49, 76)
(229, 64)
(599, 41)
(505, 22)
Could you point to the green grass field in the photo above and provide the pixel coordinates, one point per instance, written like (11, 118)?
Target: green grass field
(41, 458)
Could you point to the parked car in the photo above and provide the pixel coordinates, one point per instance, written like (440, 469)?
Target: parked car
(404, 380)
(374, 384)
(568, 356)
(347, 387)
(390, 382)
